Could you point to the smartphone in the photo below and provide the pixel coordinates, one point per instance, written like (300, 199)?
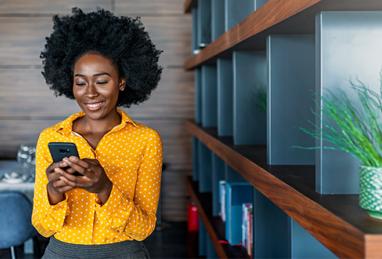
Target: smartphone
(59, 150)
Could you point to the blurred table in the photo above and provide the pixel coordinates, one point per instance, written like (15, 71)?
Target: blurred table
(24, 187)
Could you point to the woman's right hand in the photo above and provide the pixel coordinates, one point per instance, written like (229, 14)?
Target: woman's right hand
(58, 185)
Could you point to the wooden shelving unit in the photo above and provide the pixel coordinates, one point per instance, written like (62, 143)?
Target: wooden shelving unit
(336, 220)
(257, 62)
(275, 16)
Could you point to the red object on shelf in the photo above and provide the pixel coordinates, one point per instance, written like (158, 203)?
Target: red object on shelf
(223, 241)
(193, 218)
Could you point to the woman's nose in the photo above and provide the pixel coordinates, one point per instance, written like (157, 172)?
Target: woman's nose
(91, 90)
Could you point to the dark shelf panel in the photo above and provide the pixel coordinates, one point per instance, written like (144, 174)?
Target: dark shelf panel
(214, 225)
(274, 17)
(336, 221)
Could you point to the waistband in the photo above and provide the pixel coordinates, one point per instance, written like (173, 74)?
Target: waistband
(94, 251)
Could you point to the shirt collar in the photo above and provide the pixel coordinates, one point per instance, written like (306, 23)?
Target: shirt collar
(66, 125)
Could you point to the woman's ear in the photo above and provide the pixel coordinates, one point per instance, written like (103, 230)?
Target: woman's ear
(122, 84)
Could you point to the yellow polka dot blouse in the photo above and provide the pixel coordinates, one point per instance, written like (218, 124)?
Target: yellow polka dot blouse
(131, 155)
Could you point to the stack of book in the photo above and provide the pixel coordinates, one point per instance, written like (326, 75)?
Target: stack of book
(236, 210)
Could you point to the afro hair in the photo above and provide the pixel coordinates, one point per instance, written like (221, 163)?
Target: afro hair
(121, 39)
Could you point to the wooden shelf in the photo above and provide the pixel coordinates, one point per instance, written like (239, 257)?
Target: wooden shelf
(336, 221)
(188, 6)
(275, 16)
(214, 225)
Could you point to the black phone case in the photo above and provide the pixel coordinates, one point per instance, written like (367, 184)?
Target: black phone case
(59, 150)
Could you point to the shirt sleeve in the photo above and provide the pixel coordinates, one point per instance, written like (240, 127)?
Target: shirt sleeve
(46, 218)
(137, 218)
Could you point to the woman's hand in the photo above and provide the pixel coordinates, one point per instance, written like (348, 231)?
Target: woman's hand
(94, 178)
(57, 184)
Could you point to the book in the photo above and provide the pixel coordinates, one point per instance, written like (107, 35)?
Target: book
(247, 227)
(222, 192)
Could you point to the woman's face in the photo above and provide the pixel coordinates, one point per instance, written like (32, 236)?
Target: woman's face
(96, 85)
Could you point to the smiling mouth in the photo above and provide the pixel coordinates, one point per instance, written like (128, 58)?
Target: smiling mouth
(94, 106)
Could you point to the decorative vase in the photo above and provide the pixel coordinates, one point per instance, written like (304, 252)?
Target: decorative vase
(370, 196)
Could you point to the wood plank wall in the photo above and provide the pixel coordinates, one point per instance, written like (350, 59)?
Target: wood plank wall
(27, 105)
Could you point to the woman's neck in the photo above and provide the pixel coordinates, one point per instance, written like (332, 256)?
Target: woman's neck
(103, 125)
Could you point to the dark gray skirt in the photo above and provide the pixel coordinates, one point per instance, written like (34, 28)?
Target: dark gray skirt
(57, 249)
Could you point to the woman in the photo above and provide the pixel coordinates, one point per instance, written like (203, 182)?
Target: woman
(102, 61)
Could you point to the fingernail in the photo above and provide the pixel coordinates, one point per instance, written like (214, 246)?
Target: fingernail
(73, 158)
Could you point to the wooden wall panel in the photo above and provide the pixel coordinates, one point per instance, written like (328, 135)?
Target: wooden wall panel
(149, 7)
(22, 38)
(26, 101)
(172, 34)
(28, 7)
(173, 202)
(16, 132)
(173, 98)
(24, 93)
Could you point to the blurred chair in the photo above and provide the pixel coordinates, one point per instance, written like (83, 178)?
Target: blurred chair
(15, 220)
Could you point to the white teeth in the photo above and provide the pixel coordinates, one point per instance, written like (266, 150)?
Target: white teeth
(94, 106)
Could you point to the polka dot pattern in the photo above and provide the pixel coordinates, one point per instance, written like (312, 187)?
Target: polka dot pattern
(131, 155)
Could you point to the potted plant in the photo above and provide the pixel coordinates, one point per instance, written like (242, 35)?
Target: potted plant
(353, 124)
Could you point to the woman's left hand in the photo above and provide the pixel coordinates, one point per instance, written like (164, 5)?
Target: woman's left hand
(94, 178)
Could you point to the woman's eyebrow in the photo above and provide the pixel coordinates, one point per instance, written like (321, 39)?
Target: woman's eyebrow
(98, 74)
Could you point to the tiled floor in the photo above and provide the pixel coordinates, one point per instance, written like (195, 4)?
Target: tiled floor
(171, 242)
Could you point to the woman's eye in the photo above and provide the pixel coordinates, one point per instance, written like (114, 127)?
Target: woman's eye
(79, 83)
(102, 82)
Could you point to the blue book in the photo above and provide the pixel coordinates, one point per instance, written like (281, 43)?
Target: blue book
(237, 193)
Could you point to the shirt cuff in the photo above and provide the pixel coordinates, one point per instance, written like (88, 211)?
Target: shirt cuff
(116, 209)
(58, 211)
